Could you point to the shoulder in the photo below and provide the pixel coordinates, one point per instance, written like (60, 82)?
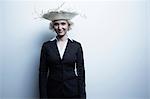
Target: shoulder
(78, 44)
(47, 43)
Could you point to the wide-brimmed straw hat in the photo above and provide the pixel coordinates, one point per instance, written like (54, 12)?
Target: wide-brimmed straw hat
(57, 15)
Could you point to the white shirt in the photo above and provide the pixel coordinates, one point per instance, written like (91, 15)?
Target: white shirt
(61, 51)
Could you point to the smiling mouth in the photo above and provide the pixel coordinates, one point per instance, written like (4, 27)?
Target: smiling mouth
(60, 31)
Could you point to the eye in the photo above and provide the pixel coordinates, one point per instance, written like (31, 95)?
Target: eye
(55, 24)
(63, 23)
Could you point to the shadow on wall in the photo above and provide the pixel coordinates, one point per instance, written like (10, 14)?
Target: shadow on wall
(34, 57)
(45, 36)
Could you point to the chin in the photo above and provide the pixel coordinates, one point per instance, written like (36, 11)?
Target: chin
(61, 34)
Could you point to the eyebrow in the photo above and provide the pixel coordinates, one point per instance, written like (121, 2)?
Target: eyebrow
(55, 23)
(63, 22)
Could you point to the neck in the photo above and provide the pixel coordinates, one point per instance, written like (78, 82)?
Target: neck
(62, 38)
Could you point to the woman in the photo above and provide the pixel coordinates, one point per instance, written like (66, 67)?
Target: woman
(61, 72)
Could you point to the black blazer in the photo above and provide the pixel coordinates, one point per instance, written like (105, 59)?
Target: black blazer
(53, 68)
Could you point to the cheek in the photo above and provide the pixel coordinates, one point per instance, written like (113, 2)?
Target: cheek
(66, 27)
(55, 27)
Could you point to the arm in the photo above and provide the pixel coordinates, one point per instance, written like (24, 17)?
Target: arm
(81, 72)
(43, 70)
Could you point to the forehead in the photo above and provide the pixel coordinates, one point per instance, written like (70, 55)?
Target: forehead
(60, 21)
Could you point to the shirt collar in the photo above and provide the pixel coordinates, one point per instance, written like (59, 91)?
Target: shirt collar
(54, 38)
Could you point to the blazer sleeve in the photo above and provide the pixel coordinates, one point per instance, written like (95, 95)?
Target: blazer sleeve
(81, 72)
(43, 71)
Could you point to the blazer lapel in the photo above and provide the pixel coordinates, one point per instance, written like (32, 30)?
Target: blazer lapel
(55, 49)
(68, 47)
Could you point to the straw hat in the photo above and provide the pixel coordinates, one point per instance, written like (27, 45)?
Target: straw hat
(57, 15)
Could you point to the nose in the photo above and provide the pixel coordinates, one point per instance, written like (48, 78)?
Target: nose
(59, 26)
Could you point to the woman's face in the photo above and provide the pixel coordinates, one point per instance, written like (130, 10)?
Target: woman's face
(61, 27)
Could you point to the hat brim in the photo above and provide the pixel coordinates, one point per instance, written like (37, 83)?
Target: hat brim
(57, 15)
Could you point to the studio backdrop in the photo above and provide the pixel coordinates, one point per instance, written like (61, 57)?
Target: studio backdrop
(114, 36)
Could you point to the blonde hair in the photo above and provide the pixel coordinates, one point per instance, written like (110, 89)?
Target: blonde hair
(70, 24)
